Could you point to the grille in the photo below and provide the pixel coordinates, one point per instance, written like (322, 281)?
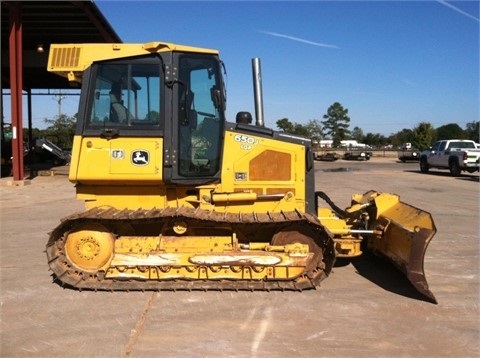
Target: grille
(65, 57)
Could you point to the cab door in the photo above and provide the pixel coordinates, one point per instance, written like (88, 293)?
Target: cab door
(197, 120)
(439, 157)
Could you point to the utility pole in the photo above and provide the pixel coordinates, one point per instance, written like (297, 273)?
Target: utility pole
(59, 98)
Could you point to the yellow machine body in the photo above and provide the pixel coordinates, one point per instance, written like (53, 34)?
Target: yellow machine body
(71, 60)
(177, 197)
(267, 169)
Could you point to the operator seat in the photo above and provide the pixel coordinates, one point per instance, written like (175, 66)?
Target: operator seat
(210, 129)
(118, 112)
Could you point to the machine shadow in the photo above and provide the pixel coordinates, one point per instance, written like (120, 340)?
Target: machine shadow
(385, 275)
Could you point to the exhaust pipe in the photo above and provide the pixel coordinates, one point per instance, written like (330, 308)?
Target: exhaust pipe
(257, 91)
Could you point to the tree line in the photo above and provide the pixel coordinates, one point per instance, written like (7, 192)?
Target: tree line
(336, 126)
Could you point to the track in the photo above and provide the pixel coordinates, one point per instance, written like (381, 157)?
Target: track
(280, 228)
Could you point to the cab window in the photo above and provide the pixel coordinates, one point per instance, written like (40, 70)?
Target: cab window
(436, 146)
(126, 95)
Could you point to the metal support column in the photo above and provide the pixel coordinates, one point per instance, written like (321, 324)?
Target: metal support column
(16, 86)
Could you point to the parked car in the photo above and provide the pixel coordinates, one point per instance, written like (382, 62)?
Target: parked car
(327, 157)
(357, 155)
(409, 155)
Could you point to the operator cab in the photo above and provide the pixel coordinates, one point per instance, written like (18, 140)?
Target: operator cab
(178, 97)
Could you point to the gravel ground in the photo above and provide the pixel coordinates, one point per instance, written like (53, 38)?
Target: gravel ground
(364, 309)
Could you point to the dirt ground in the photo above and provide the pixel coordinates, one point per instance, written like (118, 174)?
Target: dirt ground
(364, 309)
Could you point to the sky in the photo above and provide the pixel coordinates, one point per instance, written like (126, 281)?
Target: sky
(392, 64)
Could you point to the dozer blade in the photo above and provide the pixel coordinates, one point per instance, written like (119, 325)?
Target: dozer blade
(407, 231)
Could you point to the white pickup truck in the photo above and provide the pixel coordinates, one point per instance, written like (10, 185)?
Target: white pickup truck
(457, 155)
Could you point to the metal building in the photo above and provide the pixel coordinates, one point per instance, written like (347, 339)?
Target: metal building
(28, 28)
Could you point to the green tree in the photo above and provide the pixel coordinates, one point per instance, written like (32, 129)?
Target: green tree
(311, 130)
(375, 139)
(450, 131)
(357, 134)
(153, 116)
(423, 135)
(336, 123)
(285, 125)
(314, 128)
(61, 130)
(293, 128)
(404, 136)
(472, 131)
(301, 130)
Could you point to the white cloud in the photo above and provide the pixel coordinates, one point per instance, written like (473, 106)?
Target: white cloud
(299, 39)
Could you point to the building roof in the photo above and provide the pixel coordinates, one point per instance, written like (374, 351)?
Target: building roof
(47, 22)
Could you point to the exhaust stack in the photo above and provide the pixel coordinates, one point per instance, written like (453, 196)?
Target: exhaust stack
(257, 91)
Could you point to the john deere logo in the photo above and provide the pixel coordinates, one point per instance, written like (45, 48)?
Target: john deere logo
(140, 157)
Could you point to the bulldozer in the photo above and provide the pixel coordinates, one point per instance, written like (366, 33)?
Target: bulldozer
(179, 198)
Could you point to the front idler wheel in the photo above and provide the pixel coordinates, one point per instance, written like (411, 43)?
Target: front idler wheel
(286, 237)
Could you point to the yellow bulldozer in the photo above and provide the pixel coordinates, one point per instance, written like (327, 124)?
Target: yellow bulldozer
(179, 198)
